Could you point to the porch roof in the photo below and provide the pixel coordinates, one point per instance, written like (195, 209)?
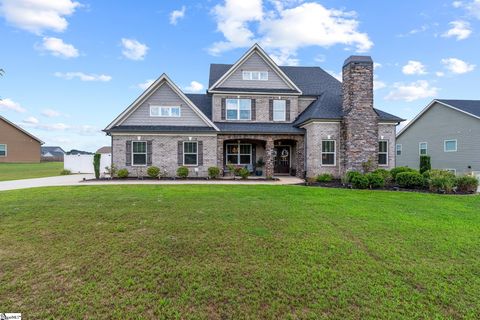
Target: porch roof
(259, 127)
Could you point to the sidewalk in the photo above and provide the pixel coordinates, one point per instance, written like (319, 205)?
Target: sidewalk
(77, 180)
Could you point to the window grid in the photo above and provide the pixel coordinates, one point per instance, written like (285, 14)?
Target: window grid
(399, 149)
(423, 148)
(255, 75)
(164, 111)
(328, 153)
(238, 109)
(239, 154)
(190, 153)
(3, 150)
(139, 153)
(383, 153)
(279, 110)
(450, 145)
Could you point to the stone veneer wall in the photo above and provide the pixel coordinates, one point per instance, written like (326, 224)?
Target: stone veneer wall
(164, 152)
(261, 107)
(360, 123)
(388, 132)
(316, 132)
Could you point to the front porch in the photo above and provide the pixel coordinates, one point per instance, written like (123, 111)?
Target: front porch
(283, 155)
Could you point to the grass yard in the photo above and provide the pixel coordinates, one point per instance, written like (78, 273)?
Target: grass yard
(18, 171)
(238, 252)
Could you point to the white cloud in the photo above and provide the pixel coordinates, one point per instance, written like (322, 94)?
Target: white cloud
(10, 105)
(414, 67)
(320, 58)
(194, 87)
(286, 28)
(146, 84)
(31, 120)
(134, 50)
(457, 66)
(336, 75)
(472, 7)
(176, 15)
(460, 29)
(83, 76)
(412, 91)
(50, 113)
(440, 74)
(377, 65)
(37, 16)
(457, 4)
(378, 84)
(58, 48)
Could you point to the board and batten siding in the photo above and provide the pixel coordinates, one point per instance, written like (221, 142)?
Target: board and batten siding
(254, 63)
(164, 96)
(437, 124)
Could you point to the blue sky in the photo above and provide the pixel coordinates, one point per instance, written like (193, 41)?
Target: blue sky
(72, 66)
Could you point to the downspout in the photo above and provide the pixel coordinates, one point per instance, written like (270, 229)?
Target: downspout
(305, 155)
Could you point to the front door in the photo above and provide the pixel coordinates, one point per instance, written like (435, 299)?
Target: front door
(281, 159)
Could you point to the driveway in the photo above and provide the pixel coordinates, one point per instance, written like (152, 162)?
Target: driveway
(77, 180)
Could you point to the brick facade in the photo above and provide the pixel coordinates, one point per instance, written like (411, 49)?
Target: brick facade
(388, 132)
(316, 132)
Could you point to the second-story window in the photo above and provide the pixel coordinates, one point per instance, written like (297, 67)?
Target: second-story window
(279, 110)
(255, 75)
(239, 109)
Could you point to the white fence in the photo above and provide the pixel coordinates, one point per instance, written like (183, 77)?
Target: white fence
(83, 163)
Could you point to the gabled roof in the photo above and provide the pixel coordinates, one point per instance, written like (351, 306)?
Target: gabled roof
(55, 151)
(22, 130)
(105, 149)
(254, 49)
(259, 127)
(163, 79)
(468, 107)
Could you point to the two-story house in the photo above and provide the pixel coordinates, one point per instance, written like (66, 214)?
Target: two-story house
(300, 120)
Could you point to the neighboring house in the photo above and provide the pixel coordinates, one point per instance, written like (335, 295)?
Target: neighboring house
(299, 120)
(76, 152)
(446, 130)
(52, 153)
(16, 144)
(105, 150)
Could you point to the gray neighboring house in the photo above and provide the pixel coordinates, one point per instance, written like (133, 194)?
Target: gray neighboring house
(300, 120)
(52, 153)
(446, 130)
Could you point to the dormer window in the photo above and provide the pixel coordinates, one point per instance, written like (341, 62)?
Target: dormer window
(162, 111)
(255, 75)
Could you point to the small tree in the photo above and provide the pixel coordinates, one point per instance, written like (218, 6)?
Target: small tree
(96, 165)
(425, 164)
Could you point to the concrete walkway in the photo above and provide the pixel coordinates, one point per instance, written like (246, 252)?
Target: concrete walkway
(77, 180)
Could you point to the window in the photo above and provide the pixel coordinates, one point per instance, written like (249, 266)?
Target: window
(279, 110)
(328, 152)
(3, 150)
(160, 111)
(139, 153)
(190, 153)
(422, 148)
(399, 149)
(450, 146)
(255, 75)
(239, 109)
(383, 153)
(239, 153)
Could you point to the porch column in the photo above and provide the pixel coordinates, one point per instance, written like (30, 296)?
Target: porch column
(220, 160)
(300, 156)
(269, 157)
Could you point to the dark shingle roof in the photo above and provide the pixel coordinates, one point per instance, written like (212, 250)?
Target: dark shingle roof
(105, 149)
(53, 150)
(470, 106)
(385, 116)
(160, 129)
(203, 102)
(259, 127)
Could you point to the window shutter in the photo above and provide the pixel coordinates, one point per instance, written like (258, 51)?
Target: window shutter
(270, 110)
(149, 152)
(254, 109)
(128, 153)
(287, 110)
(200, 153)
(223, 109)
(254, 155)
(180, 153)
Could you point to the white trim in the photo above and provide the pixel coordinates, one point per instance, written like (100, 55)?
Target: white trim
(396, 149)
(19, 128)
(250, 73)
(420, 149)
(284, 110)
(386, 153)
(238, 144)
(251, 93)
(426, 109)
(334, 153)
(173, 134)
(170, 114)
(183, 154)
(146, 154)
(147, 93)
(445, 145)
(237, 109)
(6, 150)
(266, 58)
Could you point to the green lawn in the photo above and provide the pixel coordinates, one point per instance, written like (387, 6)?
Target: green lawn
(17, 171)
(238, 252)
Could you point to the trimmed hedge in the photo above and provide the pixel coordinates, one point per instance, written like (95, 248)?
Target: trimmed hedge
(395, 171)
(350, 175)
(375, 180)
(387, 176)
(123, 173)
(153, 172)
(425, 164)
(360, 181)
(410, 180)
(467, 184)
(243, 173)
(182, 172)
(324, 177)
(214, 172)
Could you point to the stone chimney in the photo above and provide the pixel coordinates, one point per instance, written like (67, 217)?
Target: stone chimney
(360, 121)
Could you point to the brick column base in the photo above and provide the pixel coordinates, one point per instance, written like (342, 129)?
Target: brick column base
(269, 157)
